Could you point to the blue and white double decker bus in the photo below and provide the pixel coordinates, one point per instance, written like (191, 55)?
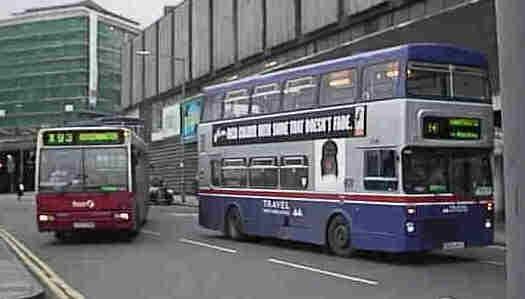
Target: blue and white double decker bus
(386, 150)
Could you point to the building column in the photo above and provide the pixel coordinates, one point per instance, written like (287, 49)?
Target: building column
(511, 38)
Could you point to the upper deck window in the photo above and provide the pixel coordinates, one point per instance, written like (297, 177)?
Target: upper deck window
(339, 87)
(266, 99)
(380, 81)
(300, 93)
(236, 103)
(447, 81)
(213, 108)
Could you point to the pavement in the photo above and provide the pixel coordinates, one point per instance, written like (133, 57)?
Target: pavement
(15, 280)
(175, 258)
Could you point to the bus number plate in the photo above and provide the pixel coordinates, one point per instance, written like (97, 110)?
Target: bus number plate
(83, 225)
(453, 245)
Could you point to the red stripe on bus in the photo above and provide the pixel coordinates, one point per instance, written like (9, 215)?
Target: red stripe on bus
(345, 197)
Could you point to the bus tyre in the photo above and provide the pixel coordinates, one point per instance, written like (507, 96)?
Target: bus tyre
(233, 227)
(61, 236)
(338, 237)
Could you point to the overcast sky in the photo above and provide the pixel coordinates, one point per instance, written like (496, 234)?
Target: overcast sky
(143, 11)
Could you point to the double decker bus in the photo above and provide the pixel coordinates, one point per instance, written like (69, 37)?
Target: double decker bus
(386, 150)
(90, 179)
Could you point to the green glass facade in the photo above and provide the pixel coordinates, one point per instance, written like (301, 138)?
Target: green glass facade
(45, 67)
(109, 44)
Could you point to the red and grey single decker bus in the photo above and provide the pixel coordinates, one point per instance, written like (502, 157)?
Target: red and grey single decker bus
(90, 179)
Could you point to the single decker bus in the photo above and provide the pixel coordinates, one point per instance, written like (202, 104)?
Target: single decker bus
(90, 179)
(387, 150)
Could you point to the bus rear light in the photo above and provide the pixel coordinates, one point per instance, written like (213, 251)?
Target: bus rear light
(46, 218)
(490, 206)
(123, 216)
(488, 223)
(410, 227)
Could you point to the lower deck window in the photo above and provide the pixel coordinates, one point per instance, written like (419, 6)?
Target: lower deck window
(380, 170)
(263, 173)
(294, 173)
(233, 173)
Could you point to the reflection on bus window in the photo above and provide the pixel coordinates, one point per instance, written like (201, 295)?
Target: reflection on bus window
(264, 172)
(447, 82)
(106, 168)
(339, 87)
(233, 173)
(380, 170)
(213, 108)
(236, 103)
(380, 81)
(471, 86)
(461, 172)
(300, 93)
(294, 173)
(60, 169)
(266, 99)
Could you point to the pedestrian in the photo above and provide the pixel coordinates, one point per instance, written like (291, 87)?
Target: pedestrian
(20, 191)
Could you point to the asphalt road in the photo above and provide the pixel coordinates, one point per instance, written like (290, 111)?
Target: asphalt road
(174, 258)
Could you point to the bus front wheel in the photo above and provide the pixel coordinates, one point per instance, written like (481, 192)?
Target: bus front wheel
(338, 237)
(233, 227)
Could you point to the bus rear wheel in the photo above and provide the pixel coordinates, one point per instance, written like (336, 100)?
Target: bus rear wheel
(233, 227)
(338, 237)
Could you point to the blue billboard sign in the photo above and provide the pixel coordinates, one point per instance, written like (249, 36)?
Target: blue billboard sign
(191, 115)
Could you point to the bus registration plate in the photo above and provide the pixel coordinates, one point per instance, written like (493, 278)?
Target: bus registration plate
(453, 245)
(83, 225)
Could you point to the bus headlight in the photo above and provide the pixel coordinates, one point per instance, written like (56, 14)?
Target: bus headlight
(490, 206)
(488, 223)
(46, 218)
(411, 210)
(123, 216)
(410, 227)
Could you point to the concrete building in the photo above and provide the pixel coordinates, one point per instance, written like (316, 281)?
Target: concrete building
(202, 42)
(57, 64)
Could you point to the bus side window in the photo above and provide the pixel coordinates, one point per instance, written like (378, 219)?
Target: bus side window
(266, 99)
(339, 87)
(213, 108)
(300, 93)
(294, 172)
(380, 170)
(233, 173)
(380, 81)
(263, 172)
(236, 103)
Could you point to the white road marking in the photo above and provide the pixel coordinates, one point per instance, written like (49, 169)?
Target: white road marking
(149, 232)
(184, 214)
(499, 247)
(328, 273)
(208, 245)
(501, 264)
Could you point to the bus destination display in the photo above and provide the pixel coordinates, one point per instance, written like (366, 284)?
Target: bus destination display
(451, 128)
(69, 138)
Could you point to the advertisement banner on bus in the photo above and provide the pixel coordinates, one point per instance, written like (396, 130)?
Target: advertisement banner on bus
(340, 123)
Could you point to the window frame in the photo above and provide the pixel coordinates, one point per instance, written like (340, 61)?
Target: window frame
(380, 177)
(211, 101)
(364, 80)
(244, 172)
(314, 84)
(325, 86)
(227, 100)
(255, 93)
(285, 166)
(273, 166)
